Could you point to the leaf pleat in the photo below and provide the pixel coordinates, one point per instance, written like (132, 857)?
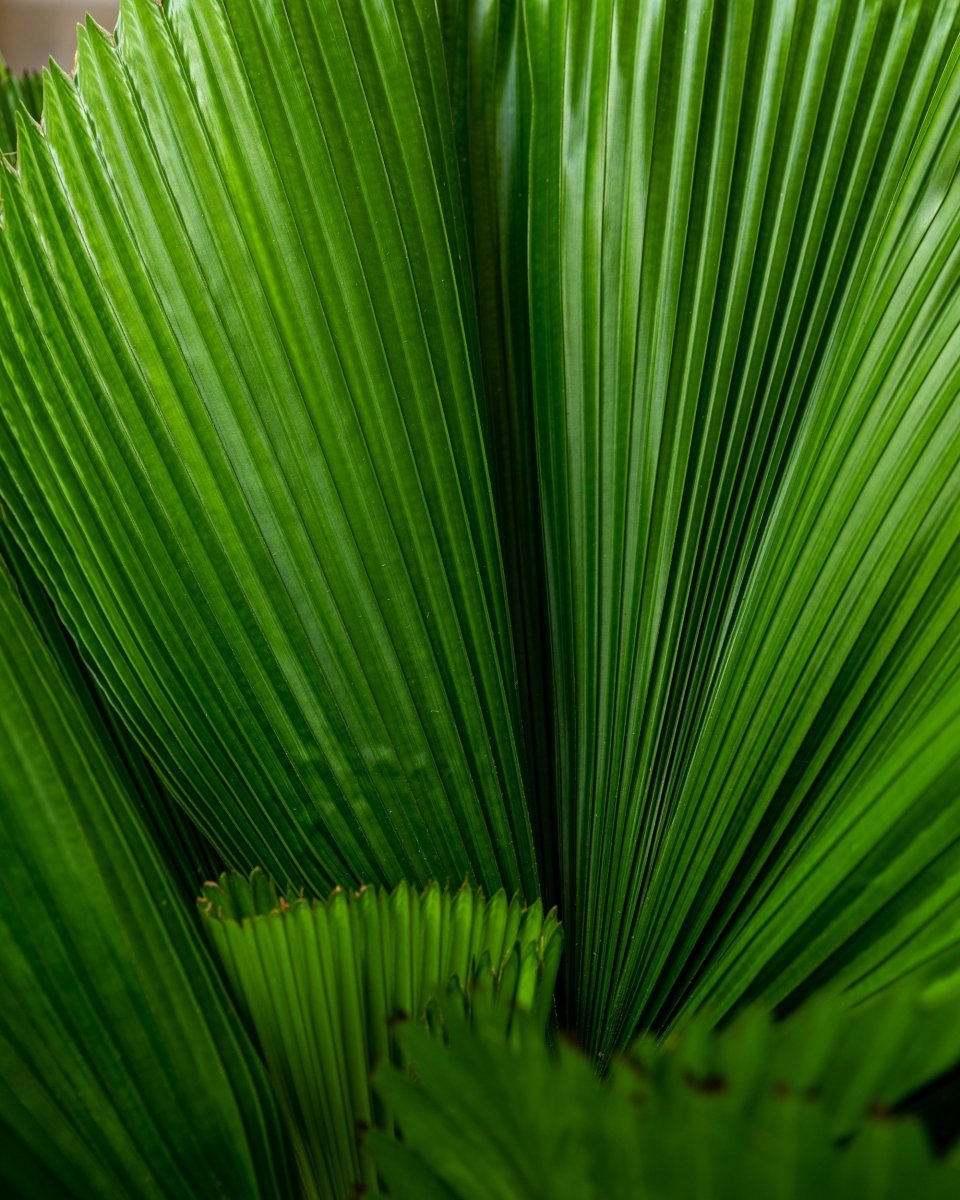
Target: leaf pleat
(324, 985)
(125, 1069)
(251, 448)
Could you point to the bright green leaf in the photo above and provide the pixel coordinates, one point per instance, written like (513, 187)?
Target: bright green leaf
(244, 433)
(324, 984)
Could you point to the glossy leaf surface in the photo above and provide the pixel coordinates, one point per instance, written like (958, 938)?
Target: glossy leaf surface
(248, 458)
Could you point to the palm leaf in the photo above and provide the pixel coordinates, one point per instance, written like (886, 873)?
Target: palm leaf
(740, 229)
(324, 983)
(249, 456)
(754, 1110)
(185, 851)
(125, 1070)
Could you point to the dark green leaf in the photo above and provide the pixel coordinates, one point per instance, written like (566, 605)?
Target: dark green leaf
(125, 1071)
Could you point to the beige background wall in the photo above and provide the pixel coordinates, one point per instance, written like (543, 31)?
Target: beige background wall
(33, 30)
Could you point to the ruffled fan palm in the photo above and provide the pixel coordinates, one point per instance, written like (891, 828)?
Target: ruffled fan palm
(461, 459)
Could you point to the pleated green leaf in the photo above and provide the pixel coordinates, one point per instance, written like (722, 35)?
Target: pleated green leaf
(244, 438)
(739, 224)
(754, 1110)
(848, 620)
(125, 1069)
(184, 852)
(325, 983)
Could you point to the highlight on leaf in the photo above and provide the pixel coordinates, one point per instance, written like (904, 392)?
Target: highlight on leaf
(324, 985)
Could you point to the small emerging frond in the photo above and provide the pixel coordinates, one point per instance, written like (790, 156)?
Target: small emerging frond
(324, 984)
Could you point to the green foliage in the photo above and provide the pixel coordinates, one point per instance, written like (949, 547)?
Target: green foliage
(512, 441)
(756, 1109)
(324, 984)
(740, 241)
(125, 1071)
(240, 387)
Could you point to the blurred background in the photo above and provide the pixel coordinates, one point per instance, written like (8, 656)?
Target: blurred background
(33, 30)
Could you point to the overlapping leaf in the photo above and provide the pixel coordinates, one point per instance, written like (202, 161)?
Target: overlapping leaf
(324, 984)
(124, 1069)
(755, 1110)
(246, 415)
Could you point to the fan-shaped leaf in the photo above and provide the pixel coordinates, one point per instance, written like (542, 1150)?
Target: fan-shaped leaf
(741, 235)
(244, 437)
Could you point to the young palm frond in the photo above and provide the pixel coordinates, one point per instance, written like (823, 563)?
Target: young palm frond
(325, 983)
